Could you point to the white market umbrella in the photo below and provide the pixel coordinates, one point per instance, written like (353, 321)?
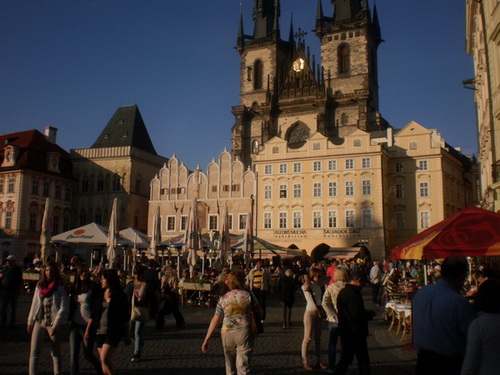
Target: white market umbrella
(193, 237)
(224, 245)
(138, 239)
(45, 232)
(112, 235)
(248, 241)
(156, 234)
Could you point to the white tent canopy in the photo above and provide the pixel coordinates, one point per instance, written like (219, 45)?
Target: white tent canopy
(138, 238)
(90, 234)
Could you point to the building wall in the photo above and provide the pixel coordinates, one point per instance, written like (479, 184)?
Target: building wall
(125, 174)
(483, 44)
(226, 183)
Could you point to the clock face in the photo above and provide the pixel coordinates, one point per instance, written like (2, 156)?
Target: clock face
(298, 65)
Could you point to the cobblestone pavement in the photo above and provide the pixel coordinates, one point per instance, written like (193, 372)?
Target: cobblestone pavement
(174, 351)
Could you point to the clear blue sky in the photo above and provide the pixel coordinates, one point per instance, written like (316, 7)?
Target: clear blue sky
(71, 63)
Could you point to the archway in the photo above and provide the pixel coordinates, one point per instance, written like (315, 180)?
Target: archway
(319, 252)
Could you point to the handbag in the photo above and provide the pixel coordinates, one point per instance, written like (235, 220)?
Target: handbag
(255, 316)
(320, 311)
(139, 313)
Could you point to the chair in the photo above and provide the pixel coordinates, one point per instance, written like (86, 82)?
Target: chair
(392, 316)
(401, 320)
(408, 324)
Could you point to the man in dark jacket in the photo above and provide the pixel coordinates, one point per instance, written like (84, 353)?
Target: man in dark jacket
(12, 281)
(353, 326)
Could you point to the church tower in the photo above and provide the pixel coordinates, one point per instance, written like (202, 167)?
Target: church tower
(349, 42)
(285, 93)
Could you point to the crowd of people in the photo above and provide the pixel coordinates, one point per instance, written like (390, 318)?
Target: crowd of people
(456, 319)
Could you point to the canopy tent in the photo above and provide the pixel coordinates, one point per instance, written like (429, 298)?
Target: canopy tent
(347, 252)
(470, 232)
(266, 250)
(93, 234)
(136, 237)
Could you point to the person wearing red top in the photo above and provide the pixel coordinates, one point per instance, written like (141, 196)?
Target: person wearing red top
(331, 270)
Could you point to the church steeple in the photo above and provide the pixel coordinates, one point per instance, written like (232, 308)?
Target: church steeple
(265, 14)
(346, 9)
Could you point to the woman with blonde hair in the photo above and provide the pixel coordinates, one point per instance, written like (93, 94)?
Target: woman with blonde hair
(48, 313)
(312, 318)
(330, 305)
(234, 309)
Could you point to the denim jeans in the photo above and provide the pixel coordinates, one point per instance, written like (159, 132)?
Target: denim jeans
(137, 332)
(333, 337)
(76, 338)
(36, 349)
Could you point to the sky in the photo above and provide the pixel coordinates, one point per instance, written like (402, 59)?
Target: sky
(71, 64)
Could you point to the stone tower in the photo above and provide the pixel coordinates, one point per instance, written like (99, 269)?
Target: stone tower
(283, 92)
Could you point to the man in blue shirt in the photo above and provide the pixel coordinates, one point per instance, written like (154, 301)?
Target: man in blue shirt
(441, 317)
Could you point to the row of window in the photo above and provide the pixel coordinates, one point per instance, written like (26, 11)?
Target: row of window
(423, 190)
(10, 185)
(172, 223)
(423, 165)
(318, 166)
(318, 221)
(33, 224)
(58, 190)
(317, 191)
(102, 184)
(424, 217)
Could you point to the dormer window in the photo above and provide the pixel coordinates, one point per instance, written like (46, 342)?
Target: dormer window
(10, 156)
(53, 162)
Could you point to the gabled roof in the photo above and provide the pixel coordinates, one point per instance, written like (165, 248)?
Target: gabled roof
(33, 148)
(126, 128)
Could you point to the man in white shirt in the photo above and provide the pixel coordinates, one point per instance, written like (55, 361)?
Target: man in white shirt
(376, 279)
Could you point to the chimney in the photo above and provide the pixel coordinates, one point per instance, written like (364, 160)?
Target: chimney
(51, 133)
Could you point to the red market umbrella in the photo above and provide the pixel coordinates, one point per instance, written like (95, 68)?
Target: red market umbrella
(470, 232)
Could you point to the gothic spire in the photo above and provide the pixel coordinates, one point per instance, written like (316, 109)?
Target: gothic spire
(265, 15)
(240, 41)
(346, 9)
(376, 25)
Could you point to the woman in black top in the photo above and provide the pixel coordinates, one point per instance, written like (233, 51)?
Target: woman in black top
(109, 320)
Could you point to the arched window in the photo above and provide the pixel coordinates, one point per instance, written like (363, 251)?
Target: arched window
(258, 74)
(344, 58)
(85, 184)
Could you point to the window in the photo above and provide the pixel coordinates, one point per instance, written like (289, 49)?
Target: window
(100, 183)
(400, 220)
(317, 190)
(349, 164)
(170, 223)
(116, 183)
(267, 220)
(283, 168)
(350, 219)
(225, 188)
(34, 187)
(283, 220)
(10, 185)
(214, 188)
(283, 189)
(57, 193)
(297, 219)
(424, 190)
(66, 223)
(297, 190)
(32, 221)
(317, 166)
(243, 222)
(98, 216)
(400, 167)
(400, 191)
(424, 219)
(316, 146)
(183, 222)
(85, 184)
(297, 167)
(423, 165)
(268, 169)
(332, 219)
(55, 224)
(213, 223)
(230, 219)
(46, 188)
(8, 220)
(332, 189)
(344, 59)
(367, 218)
(268, 192)
(357, 143)
(366, 163)
(276, 150)
(258, 74)
(67, 194)
(349, 188)
(413, 146)
(1, 185)
(317, 219)
(367, 187)
(332, 165)
(235, 187)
